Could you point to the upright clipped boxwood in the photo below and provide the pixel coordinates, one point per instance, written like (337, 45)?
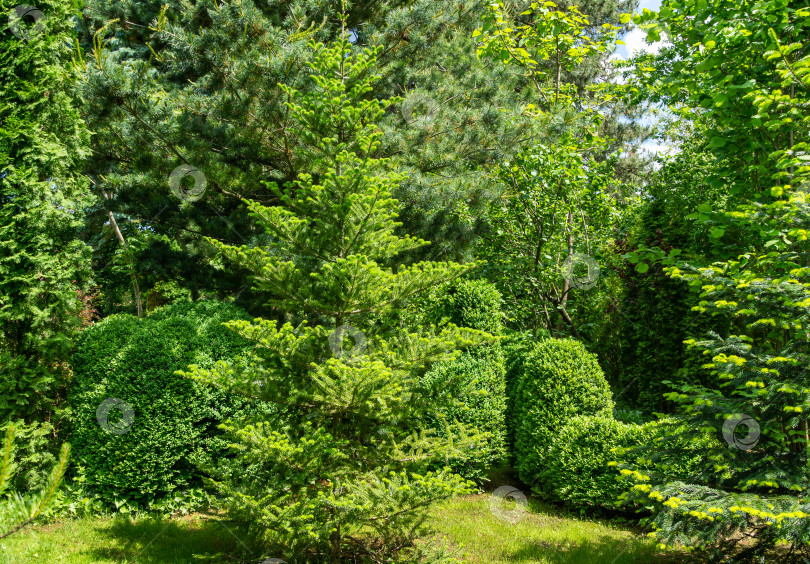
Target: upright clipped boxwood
(478, 381)
(561, 380)
(516, 348)
(134, 360)
(477, 375)
(469, 303)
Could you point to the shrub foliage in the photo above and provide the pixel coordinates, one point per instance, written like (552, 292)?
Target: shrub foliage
(134, 360)
(579, 470)
(561, 380)
(477, 376)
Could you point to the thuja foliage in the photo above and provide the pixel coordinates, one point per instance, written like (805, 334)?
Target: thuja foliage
(43, 264)
(652, 317)
(16, 510)
(343, 470)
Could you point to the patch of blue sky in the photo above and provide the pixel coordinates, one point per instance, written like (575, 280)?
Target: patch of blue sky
(635, 41)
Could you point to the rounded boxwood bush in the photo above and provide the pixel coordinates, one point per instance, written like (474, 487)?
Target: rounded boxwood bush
(133, 360)
(560, 380)
(476, 377)
(578, 471)
(516, 348)
(478, 381)
(470, 303)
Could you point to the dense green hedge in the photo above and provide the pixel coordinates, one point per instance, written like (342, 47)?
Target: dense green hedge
(583, 462)
(478, 379)
(516, 348)
(134, 360)
(578, 471)
(477, 376)
(468, 303)
(561, 380)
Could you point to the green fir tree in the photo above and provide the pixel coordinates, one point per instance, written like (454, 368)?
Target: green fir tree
(343, 471)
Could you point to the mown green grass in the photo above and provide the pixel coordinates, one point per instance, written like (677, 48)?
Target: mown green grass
(198, 538)
(541, 535)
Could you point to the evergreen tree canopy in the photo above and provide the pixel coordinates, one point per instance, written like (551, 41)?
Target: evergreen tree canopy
(174, 86)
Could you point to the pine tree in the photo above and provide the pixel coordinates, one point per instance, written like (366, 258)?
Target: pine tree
(168, 86)
(43, 264)
(343, 470)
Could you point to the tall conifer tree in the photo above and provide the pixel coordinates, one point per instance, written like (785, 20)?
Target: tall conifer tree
(342, 472)
(43, 264)
(171, 85)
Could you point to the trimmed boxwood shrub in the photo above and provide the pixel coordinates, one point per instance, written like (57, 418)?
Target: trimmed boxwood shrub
(561, 380)
(578, 471)
(478, 380)
(134, 360)
(477, 376)
(516, 348)
(469, 303)
(583, 462)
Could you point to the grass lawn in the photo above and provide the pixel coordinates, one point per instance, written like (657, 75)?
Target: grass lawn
(542, 534)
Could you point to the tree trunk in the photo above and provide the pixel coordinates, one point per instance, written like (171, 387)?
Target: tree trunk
(569, 226)
(136, 290)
